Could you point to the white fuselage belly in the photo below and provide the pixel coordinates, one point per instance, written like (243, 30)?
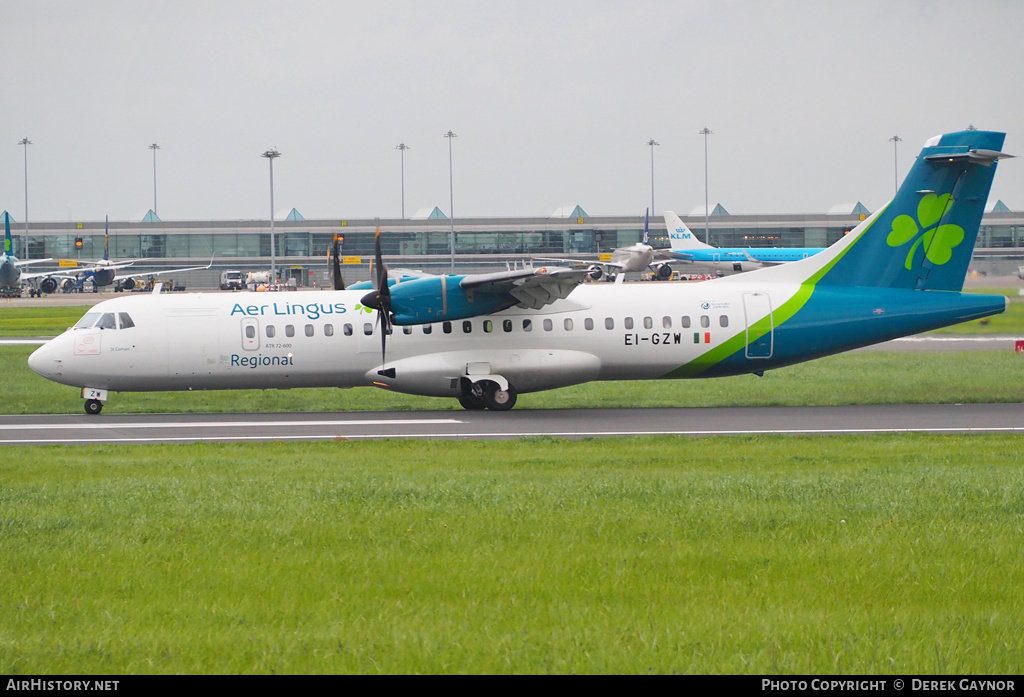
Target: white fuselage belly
(215, 341)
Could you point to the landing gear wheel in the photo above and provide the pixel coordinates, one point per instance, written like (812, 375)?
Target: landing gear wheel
(93, 406)
(472, 403)
(497, 399)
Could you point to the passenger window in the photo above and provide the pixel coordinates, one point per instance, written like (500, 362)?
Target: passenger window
(548, 325)
(107, 321)
(685, 323)
(567, 324)
(328, 330)
(427, 328)
(347, 330)
(309, 330)
(507, 325)
(368, 329)
(289, 330)
(705, 321)
(407, 330)
(527, 325)
(666, 322)
(628, 322)
(609, 323)
(588, 323)
(648, 323)
(467, 327)
(271, 331)
(250, 332)
(488, 326)
(723, 321)
(447, 327)
(126, 320)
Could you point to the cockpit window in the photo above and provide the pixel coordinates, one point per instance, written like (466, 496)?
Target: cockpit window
(125, 319)
(107, 321)
(87, 320)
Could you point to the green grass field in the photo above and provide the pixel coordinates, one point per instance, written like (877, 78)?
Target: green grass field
(750, 555)
(834, 555)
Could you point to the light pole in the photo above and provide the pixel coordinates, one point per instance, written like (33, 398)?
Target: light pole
(403, 147)
(25, 142)
(451, 196)
(270, 155)
(706, 132)
(895, 140)
(154, 147)
(652, 142)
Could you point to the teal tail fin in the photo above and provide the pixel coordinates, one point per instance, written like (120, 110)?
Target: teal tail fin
(925, 237)
(8, 242)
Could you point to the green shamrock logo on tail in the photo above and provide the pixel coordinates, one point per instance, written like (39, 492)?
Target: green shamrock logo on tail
(938, 241)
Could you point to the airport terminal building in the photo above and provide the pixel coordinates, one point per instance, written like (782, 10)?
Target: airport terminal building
(481, 244)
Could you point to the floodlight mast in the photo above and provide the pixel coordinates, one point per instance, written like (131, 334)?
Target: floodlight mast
(25, 142)
(451, 197)
(154, 147)
(271, 155)
(707, 233)
(403, 147)
(895, 140)
(652, 142)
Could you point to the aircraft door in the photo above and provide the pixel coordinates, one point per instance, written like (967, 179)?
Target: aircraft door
(250, 334)
(760, 332)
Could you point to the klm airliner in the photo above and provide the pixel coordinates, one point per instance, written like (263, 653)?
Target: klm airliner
(686, 246)
(483, 339)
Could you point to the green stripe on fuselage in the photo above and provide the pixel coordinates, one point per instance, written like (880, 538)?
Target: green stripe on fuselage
(702, 363)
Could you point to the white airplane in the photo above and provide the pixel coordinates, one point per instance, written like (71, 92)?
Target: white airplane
(685, 246)
(636, 258)
(10, 265)
(483, 339)
(102, 272)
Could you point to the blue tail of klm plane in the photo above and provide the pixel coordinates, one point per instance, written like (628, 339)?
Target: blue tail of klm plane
(925, 237)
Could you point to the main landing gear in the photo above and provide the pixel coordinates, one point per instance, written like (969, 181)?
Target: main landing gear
(487, 394)
(93, 406)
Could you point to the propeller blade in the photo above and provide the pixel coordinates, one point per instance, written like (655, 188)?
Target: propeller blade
(380, 299)
(339, 282)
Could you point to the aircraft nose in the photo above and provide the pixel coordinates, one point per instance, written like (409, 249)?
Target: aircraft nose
(42, 362)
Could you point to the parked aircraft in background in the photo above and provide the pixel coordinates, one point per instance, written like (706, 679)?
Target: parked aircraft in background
(102, 272)
(482, 339)
(685, 245)
(636, 258)
(10, 265)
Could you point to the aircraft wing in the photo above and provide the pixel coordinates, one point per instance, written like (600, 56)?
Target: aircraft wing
(120, 277)
(530, 288)
(43, 274)
(603, 264)
(669, 254)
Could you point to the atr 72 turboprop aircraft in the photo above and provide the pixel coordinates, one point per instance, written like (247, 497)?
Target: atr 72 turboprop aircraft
(686, 246)
(484, 338)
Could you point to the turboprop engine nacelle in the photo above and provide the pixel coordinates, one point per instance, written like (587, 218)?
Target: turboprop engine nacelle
(439, 298)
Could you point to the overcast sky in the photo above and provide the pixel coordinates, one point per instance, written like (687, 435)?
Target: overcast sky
(553, 103)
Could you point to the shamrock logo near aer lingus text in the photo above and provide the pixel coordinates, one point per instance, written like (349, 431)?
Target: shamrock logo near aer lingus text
(938, 241)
